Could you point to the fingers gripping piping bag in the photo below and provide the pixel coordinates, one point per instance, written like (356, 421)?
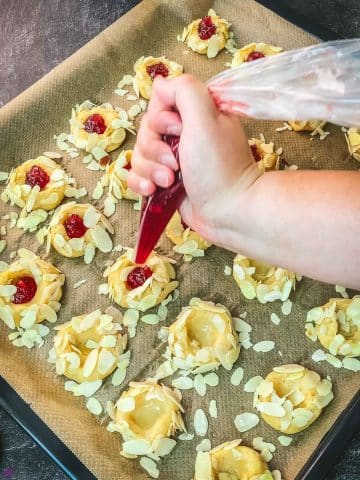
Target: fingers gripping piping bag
(317, 82)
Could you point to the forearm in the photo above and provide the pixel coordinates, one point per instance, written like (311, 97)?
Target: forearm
(306, 221)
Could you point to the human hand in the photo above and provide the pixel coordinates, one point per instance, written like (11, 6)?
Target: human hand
(215, 158)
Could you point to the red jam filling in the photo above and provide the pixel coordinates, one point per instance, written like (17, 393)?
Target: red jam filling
(95, 124)
(105, 161)
(206, 28)
(25, 290)
(74, 226)
(256, 154)
(157, 69)
(138, 276)
(127, 166)
(37, 176)
(254, 56)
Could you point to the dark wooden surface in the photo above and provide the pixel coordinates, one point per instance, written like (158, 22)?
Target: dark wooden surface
(35, 36)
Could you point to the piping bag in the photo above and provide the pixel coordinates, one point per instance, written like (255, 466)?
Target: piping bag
(317, 82)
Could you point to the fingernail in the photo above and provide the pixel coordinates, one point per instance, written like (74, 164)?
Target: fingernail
(161, 178)
(174, 129)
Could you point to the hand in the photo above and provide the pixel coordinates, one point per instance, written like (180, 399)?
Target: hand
(215, 158)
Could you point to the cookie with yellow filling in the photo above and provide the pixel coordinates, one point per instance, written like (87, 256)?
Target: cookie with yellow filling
(203, 337)
(147, 68)
(253, 51)
(306, 125)
(30, 292)
(207, 35)
(88, 347)
(140, 286)
(352, 137)
(186, 241)
(292, 397)
(336, 325)
(147, 415)
(115, 180)
(98, 129)
(77, 230)
(264, 155)
(37, 186)
(231, 461)
(265, 282)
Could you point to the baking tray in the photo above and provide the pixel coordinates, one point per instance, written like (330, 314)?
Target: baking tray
(328, 450)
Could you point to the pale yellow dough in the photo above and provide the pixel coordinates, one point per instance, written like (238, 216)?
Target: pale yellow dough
(352, 137)
(337, 326)
(43, 306)
(265, 282)
(155, 289)
(115, 178)
(88, 347)
(231, 461)
(98, 144)
(203, 337)
(186, 241)
(269, 159)
(97, 235)
(241, 55)
(22, 195)
(292, 397)
(143, 82)
(306, 125)
(148, 413)
(212, 46)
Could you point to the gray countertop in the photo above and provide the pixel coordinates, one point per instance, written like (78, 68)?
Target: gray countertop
(35, 36)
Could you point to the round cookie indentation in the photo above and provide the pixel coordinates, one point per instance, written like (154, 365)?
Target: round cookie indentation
(203, 335)
(292, 397)
(153, 290)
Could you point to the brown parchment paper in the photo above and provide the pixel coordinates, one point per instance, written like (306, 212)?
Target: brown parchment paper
(27, 126)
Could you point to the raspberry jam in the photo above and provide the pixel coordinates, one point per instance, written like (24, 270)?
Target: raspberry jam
(157, 69)
(137, 277)
(95, 124)
(254, 56)
(256, 154)
(206, 28)
(25, 290)
(74, 226)
(127, 166)
(105, 161)
(37, 176)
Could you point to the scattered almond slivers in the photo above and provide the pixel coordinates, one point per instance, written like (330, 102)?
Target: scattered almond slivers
(337, 326)
(292, 397)
(231, 458)
(352, 137)
(115, 181)
(147, 415)
(191, 349)
(34, 202)
(26, 318)
(265, 282)
(142, 81)
(241, 55)
(266, 158)
(212, 46)
(153, 291)
(96, 236)
(187, 242)
(313, 126)
(89, 347)
(116, 121)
